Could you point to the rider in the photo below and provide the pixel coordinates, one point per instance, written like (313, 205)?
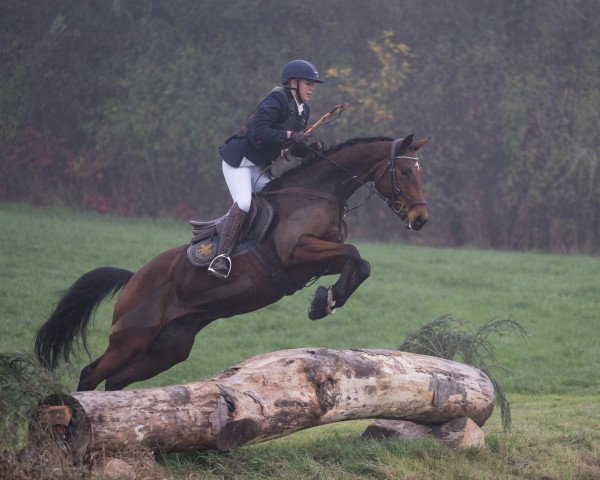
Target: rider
(278, 122)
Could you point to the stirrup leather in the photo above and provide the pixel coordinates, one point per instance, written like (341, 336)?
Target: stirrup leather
(216, 272)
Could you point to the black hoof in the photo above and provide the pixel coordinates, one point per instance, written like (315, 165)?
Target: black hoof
(319, 307)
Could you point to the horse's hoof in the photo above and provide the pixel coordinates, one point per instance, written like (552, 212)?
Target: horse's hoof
(315, 314)
(321, 304)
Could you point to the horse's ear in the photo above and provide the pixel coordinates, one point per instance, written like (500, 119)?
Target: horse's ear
(404, 145)
(419, 143)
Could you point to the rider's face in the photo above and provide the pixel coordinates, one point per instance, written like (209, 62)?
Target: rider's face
(307, 87)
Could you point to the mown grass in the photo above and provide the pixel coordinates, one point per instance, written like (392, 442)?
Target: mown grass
(553, 437)
(554, 384)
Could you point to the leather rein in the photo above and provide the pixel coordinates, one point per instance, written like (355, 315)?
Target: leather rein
(400, 203)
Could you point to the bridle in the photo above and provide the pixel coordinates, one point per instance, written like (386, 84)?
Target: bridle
(400, 203)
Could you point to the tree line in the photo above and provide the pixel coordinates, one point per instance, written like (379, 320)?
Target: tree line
(119, 106)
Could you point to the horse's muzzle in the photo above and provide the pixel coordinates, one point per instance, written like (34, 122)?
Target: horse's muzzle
(418, 222)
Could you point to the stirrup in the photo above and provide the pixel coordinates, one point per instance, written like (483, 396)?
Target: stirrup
(216, 273)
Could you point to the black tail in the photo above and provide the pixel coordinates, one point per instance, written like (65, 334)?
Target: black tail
(73, 312)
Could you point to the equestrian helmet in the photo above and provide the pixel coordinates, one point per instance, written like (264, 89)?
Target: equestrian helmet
(300, 69)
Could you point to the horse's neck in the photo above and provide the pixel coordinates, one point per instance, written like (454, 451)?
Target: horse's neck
(343, 172)
(357, 165)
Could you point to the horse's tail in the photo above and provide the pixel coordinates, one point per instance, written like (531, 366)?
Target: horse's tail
(72, 314)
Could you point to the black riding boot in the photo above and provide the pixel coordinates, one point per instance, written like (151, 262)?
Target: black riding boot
(221, 264)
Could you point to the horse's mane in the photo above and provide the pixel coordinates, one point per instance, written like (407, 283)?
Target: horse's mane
(314, 158)
(354, 141)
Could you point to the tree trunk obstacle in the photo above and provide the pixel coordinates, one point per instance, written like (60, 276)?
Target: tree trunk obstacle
(275, 394)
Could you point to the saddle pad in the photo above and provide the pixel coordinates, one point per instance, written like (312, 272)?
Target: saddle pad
(201, 253)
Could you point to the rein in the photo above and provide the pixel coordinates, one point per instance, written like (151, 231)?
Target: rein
(398, 206)
(303, 191)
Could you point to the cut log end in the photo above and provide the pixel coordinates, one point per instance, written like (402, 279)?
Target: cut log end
(60, 419)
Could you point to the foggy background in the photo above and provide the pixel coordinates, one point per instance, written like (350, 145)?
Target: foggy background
(119, 106)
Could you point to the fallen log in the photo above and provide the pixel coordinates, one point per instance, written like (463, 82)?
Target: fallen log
(275, 394)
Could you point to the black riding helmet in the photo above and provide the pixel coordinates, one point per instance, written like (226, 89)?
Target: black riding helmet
(300, 69)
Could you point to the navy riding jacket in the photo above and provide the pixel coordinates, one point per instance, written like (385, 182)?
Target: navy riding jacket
(264, 134)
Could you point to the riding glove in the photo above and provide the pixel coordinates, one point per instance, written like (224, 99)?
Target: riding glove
(299, 138)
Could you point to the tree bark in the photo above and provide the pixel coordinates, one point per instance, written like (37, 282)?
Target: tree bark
(278, 393)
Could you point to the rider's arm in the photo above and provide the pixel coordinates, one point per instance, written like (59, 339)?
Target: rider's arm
(271, 113)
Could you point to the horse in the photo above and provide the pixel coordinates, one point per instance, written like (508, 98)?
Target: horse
(162, 306)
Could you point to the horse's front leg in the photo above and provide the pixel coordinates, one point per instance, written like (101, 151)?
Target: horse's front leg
(345, 260)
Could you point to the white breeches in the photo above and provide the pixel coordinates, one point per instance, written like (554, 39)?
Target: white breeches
(244, 180)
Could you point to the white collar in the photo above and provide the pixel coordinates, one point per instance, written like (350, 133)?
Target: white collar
(299, 106)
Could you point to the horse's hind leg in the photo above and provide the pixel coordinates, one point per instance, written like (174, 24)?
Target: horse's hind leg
(172, 346)
(144, 366)
(122, 348)
(87, 381)
(97, 371)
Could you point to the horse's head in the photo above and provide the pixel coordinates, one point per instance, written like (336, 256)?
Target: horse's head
(399, 180)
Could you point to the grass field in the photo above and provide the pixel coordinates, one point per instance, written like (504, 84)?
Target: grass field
(554, 384)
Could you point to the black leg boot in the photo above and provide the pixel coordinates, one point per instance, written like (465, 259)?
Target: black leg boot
(221, 264)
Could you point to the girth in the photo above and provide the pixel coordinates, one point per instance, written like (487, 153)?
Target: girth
(281, 280)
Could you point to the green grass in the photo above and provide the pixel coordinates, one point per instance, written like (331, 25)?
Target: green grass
(554, 437)
(554, 370)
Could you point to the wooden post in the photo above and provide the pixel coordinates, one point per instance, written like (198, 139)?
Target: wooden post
(278, 393)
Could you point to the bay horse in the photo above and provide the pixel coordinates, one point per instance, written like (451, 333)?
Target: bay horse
(168, 301)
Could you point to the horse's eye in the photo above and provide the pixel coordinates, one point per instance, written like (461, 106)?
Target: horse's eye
(406, 172)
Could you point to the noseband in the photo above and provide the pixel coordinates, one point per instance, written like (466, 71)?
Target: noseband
(400, 203)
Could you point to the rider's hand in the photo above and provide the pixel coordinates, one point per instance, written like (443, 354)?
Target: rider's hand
(299, 138)
(316, 146)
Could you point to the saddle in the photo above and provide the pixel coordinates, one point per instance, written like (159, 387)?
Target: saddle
(205, 240)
